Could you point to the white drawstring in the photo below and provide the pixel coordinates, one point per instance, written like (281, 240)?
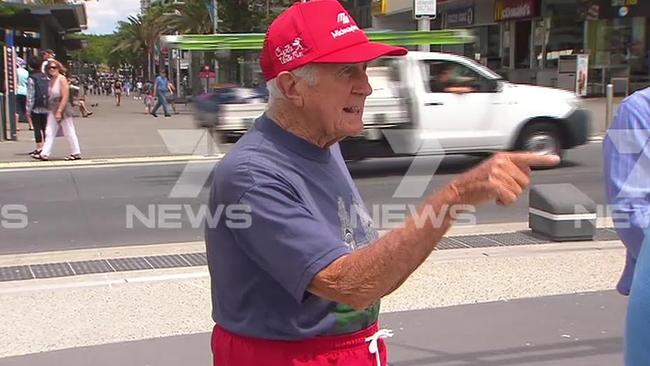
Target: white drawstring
(374, 340)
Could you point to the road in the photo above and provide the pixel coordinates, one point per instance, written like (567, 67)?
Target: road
(73, 208)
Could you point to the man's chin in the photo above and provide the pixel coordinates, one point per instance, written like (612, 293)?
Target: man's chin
(356, 127)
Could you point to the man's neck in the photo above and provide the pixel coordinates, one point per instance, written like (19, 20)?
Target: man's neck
(295, 125)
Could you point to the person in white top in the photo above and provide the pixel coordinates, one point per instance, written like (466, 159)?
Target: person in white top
(60, 114)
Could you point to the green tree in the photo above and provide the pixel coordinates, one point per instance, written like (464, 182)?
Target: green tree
(138, 35)
(97, 50)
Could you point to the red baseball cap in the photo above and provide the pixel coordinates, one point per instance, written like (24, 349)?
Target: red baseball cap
(318, 31)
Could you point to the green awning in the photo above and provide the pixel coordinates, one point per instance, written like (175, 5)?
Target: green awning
(254, 41)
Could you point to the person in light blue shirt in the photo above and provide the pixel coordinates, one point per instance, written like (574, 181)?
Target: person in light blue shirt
(22, 78)
(627, 182)
(637, 328)
(626, 164)
(162, 88)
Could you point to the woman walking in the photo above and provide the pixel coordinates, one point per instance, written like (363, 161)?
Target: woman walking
(60, 113)
(117, 87)
(37, 107)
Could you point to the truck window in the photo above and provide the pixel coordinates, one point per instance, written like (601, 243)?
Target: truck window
(451, 77)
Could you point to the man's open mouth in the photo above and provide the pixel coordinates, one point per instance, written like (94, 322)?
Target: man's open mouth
(354, 109)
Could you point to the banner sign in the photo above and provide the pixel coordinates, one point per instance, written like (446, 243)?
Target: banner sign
(515, 9)
(460, 17)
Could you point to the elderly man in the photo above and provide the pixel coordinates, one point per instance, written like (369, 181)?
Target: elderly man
(297, 268)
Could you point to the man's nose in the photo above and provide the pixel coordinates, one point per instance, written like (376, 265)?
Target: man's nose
(363, 85)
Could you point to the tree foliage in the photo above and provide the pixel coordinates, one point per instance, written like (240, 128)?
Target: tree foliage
(97, 50)
(136, 39)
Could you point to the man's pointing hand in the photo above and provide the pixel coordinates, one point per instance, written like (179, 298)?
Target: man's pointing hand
(502, 178)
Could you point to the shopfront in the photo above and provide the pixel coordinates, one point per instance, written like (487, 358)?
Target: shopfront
(521, 38)
(617, 35)
(477, 16)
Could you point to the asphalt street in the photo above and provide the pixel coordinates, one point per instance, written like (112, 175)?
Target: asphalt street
(568, 330)
(73, 208)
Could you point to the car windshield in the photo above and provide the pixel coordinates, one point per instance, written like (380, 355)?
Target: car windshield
(486, 71)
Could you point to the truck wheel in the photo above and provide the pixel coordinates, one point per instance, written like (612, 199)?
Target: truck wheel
(540, 137)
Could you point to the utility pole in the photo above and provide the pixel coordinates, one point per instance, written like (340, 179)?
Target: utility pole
(424, 24)
(215, 26)
(424, 10)
(179, 52)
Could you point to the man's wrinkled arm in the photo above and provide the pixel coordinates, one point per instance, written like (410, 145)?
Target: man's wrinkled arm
(361, 278)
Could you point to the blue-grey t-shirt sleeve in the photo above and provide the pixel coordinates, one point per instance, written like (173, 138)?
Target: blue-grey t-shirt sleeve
(285, 238)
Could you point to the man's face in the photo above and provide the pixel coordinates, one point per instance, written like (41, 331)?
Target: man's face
(446, 75)
(335, 104)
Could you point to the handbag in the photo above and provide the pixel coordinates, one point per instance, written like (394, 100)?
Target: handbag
(53, 105)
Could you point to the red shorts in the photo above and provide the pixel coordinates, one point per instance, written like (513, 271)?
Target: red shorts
(351, 349)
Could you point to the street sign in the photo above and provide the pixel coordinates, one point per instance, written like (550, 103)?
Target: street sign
(424, 8)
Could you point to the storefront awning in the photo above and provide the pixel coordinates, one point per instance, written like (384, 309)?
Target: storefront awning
(66, 18)
(254, 41)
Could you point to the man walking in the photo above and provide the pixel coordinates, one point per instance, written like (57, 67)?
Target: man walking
(162, 87)
(297, 267)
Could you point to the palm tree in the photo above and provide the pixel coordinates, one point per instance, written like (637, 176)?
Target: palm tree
(139, 35)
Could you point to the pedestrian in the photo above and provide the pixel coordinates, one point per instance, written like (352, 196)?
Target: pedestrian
(60, 113)
(161, 89)
(138, 87)
(22, 79)
(77, 99)
(117, 87)
(297, 268)
(46, 55)
(626, 172)
(36, 104)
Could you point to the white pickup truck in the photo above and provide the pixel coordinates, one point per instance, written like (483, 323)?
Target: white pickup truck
(436, 103)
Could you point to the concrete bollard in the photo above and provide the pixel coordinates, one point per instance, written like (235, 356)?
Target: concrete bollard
(561, 212)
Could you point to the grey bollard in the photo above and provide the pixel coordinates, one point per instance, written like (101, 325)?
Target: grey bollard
(561, 212)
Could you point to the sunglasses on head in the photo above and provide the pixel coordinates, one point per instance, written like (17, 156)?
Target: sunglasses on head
(52, 67)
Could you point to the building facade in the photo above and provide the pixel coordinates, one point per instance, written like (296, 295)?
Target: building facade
(525, 40)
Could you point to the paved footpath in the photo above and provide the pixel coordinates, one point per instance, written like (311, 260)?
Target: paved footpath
(567, 330)
(127, 132)
(540, 305)
(114, 132)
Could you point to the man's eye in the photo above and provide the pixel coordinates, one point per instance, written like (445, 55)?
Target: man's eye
(347, 71)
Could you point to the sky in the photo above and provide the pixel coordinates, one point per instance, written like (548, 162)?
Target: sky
(103, 15)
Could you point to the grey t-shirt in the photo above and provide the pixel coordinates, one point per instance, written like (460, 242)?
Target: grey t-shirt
(302, 212)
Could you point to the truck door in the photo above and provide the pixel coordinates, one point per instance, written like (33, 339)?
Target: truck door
(457, 108)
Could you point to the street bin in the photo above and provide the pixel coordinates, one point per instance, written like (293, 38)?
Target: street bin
(561, 212)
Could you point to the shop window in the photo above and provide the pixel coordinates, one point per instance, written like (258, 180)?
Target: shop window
(563, 35)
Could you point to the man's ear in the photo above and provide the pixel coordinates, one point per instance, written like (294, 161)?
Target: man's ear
(288, 85)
